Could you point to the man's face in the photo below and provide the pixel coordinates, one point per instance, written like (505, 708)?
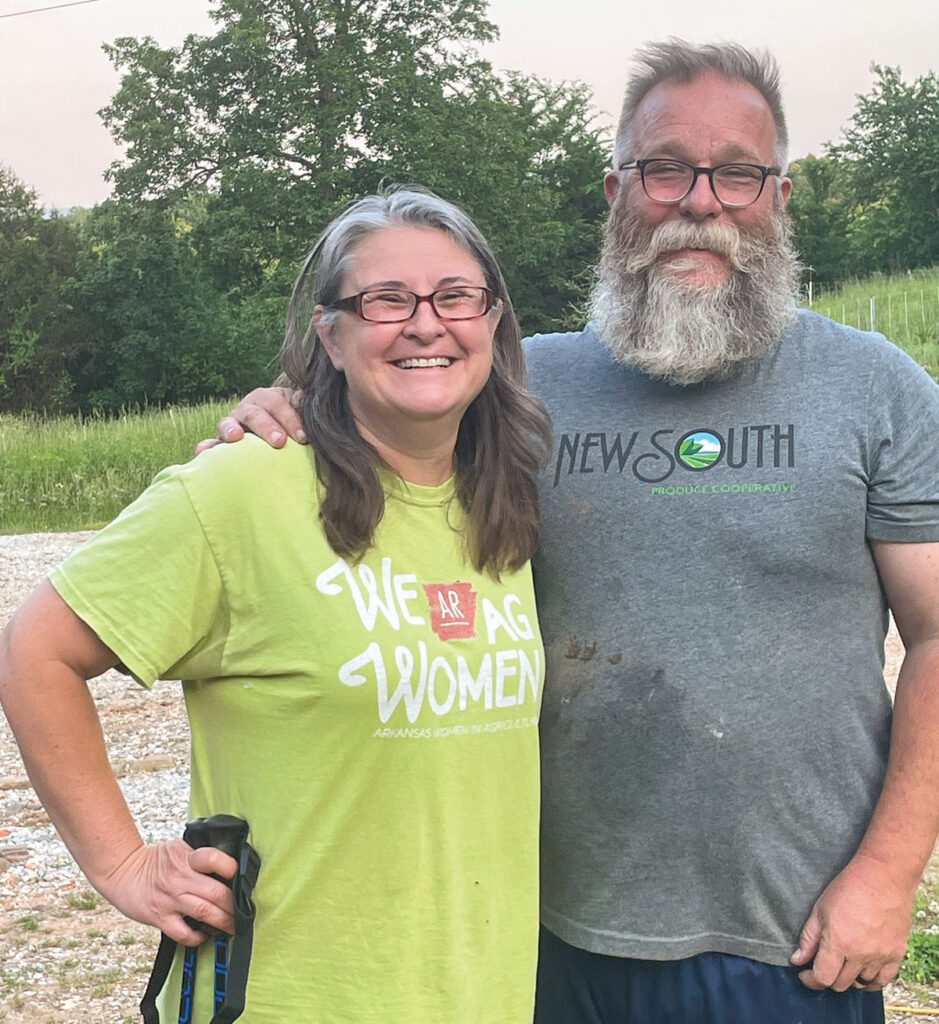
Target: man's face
(690, 291)
(709, 121)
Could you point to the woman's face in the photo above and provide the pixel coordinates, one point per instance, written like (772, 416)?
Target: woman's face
(421, 370)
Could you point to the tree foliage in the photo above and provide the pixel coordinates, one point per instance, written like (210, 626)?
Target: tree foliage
(37, 257)
(296, 88)
(820, 212)
(526, 164)
(239, 147)
(293, 108)
(891, 148)
(152, 329)
(872, 203)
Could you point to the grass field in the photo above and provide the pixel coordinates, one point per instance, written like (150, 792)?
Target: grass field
(76, 474)
(904, 307)
(73, 474)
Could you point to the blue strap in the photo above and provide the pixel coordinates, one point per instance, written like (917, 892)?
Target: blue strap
(188, 991)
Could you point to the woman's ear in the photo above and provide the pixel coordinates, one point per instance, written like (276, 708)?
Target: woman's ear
(326, 332)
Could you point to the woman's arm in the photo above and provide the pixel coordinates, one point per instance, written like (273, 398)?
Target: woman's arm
(47, 654)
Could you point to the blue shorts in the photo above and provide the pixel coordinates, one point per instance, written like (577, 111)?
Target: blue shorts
(577, 987)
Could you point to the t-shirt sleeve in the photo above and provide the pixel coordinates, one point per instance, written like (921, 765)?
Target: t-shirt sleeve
(903, 492)
(149, 586)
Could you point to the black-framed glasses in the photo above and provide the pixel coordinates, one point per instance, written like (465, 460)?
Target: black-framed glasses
(669, 181)
(394, 305)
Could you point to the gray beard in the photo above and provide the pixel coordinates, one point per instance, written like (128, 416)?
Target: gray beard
(686, 333)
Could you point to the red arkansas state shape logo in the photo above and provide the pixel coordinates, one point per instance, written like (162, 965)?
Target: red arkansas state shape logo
(452, 609)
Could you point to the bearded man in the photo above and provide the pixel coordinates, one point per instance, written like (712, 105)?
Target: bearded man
(735, 818)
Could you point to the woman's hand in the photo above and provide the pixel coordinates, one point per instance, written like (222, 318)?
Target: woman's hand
(160, 883)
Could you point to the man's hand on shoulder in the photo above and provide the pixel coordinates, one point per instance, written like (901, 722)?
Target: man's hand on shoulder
(857, 931)
(267, 412)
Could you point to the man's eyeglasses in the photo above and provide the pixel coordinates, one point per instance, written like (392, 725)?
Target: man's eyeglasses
(391, 305)
(669, 181)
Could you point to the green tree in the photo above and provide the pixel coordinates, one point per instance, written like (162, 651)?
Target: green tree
(294, 107)
(151, 328)
(891, 157)
(526, 163)
(37, 257)
(290, 87)
(820, 213)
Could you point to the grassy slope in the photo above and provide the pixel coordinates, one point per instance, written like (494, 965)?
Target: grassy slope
(905, 309)
(75, 474)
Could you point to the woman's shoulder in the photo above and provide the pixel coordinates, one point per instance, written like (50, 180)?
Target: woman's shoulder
(250, 455)
(247, 474)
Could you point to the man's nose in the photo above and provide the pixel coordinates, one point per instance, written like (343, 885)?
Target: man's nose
(701, 202)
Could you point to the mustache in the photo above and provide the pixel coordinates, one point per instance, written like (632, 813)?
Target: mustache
(670, 236)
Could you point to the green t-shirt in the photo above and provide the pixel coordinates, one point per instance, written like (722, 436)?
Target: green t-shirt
(376, 723)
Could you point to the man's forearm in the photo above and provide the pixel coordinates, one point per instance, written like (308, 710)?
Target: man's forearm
(902, 831)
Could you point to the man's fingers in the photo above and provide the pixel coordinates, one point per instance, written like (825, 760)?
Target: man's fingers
(808, 943)
(267, 412)
(807, 977)
(229, 428)
(802, 956)
(887, 973)
(207, 443)
(873, 979)
(826, 971)
(258, 422)
(847, 977)
(823, 974)
(282, 412)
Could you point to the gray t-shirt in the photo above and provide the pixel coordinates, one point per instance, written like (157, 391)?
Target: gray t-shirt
(715, 724)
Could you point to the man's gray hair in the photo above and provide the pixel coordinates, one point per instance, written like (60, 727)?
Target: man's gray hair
(681, 61)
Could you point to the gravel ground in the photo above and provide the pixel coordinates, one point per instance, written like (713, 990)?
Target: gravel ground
(66, 956)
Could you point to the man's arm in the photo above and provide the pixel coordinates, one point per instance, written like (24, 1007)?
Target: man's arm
(267, 412)
(46, 655)
(859, 925)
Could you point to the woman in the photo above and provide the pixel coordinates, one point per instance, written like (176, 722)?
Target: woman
(355, 630)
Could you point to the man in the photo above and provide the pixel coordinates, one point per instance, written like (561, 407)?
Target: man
(734, 822)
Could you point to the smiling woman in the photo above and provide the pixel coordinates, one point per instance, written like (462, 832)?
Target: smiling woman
(355, 629)
(366, 402)
(411, 380)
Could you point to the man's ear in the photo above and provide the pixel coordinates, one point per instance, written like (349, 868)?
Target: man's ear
(611, 183)
(785, 189)
(326, 332)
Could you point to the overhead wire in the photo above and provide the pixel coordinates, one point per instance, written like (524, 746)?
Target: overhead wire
(53, 7)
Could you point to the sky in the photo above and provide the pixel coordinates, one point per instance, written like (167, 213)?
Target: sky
(54, 76)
